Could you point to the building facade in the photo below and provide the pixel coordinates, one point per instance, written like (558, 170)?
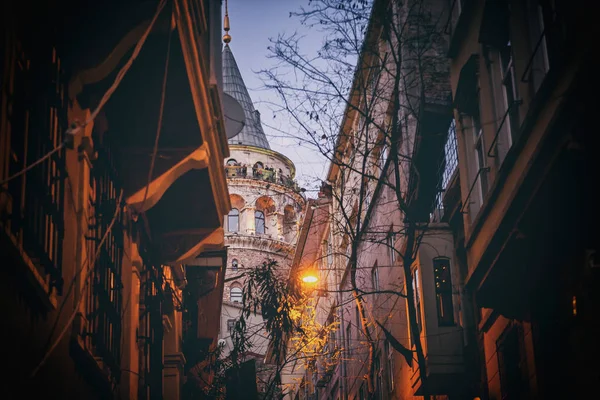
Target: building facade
(112, 196)
(522, 209)
(266, 208)
(505, 279)
(338, 244)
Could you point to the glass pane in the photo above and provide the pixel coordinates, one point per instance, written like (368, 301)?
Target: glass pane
(233, 220)
(259, 221)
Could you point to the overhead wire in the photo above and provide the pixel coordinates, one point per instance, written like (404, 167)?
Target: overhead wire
(76, 128)
(34, 164)
(91, 269)
(160, 113)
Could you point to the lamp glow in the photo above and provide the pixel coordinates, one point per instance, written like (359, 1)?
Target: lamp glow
(309, 279)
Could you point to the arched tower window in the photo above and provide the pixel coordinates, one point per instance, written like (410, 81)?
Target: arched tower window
(234, 265)
(259, 165)
(259, 222)
(233, 220)
(235, 294)
(231, 162)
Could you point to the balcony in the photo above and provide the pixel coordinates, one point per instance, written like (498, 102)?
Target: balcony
(262, 174)
(32, 204)
(442, 334)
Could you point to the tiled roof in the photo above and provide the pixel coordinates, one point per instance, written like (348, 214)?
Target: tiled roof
(252, 133)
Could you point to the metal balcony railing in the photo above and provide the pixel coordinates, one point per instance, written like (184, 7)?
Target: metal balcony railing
(151, 331)
(105, 297)
(480, 172)
(261, 174)
(34, 211)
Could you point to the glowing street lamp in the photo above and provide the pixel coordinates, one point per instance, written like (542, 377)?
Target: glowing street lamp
(309, 278)
(310, 275)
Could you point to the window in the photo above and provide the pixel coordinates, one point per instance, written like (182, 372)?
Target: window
(417, 293)
(234, 265)
(231, 162)
(259, 222)
(233, 220)
(391, 242)
(235, 295)
(511, 365)
(451, 155)
(259, 165)
(329, 254)
(541, 18)
(383, 154)
(509, 83)
(375, 278)
(443, 291)
(230, 325)
(480, 154)
(348, 335)
(389, 351)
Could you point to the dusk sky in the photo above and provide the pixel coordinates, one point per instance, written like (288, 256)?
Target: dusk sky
(253, 22)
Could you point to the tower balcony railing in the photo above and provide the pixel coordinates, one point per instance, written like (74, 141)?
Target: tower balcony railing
(261, 174)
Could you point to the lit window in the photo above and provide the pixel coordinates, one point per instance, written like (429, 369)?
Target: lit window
(416, 284)
(443, 291)
(234, 265)
(235, 295)
(259, 222)
(233, 220)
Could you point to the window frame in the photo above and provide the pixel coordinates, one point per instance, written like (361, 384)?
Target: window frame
(259, 216)
(234, 213)
(417, 295)
(240, 294)
(375, 277)
(389, 351)
(230, 325)
(510, 90)
(444, 293)
(391, 243)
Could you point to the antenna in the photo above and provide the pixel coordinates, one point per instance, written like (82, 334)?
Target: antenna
(226, 27)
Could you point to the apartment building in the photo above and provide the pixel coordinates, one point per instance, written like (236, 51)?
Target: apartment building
(398, 201)
(522, 206)
(112, 197)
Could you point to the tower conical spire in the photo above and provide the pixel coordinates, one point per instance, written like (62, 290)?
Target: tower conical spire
(252, 134)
